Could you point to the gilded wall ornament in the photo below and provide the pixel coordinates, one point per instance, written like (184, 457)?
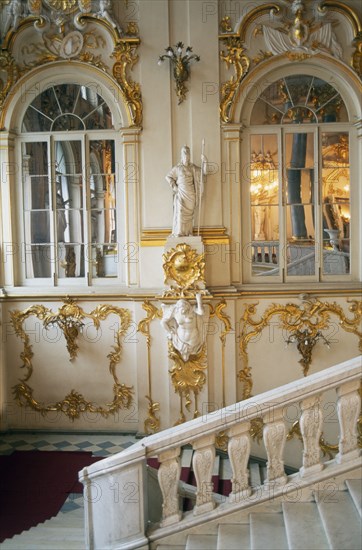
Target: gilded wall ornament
(181, 63)
(152, 422)
(241, 63)
(125, 55)
(188, 377)
(225, 319)
(311, 315)
(66, 6)
(356, 61)
(294, 36)
(70, 319)
(60, 34)
(9, 73)
(184, 267)
(301, 35)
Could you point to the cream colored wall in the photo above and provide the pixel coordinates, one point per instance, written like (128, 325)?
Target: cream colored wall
(146, 370)
(155, 148)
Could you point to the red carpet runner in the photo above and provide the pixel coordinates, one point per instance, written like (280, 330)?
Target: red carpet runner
(35, 484)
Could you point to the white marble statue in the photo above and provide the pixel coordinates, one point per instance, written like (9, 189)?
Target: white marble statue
(15, 12)
(185, 180)
(106, 12)
(184, 324)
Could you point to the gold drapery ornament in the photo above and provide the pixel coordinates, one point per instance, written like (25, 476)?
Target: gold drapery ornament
(311, 314)
(186, 268)
(69, 320)
(188, 377)
(152, 422)
(241, 63)
(126, 57)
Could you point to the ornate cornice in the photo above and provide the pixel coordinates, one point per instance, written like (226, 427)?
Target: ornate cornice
(58, 33)
(294, 37)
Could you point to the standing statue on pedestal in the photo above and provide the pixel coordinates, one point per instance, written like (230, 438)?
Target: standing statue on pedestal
(186, 180)
(184, 326)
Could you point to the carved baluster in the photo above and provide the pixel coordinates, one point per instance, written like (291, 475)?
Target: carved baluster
(274, 436)
(311, 429)
(202, 463)
(348, 409)
(168, 478)
(239, 451)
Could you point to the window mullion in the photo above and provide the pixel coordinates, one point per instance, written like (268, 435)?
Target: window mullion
(52, 206)
(88, 259)
(282, 207)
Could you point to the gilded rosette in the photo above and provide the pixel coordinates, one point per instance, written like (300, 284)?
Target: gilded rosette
(184, 270)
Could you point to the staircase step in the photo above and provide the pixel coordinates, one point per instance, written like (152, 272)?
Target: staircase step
(340, 518)
(53, 533)
(303, 526)
(14, 544)
(267, 532)
(233, 536)
(201, 542)
(355, 490)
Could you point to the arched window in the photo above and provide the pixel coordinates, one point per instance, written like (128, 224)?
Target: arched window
(69, 194)
(299, 183)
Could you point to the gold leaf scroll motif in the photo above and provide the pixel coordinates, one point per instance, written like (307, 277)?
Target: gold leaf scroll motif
(188, 377)
(241, 63)
(222, 440)
(186, 268)
(152, 422)
(9, 68)
(311, 315)
(69, 320)
(126, 57)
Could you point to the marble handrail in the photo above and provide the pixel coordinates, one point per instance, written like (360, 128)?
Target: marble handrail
(116, 487)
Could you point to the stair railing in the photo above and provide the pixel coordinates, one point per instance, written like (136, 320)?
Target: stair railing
(115, 488)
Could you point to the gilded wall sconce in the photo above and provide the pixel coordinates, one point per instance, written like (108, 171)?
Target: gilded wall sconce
(306, 341)
(181, 66)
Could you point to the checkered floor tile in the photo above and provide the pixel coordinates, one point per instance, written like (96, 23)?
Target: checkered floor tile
(98, 445)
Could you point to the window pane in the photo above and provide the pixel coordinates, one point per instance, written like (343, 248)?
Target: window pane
(70, 260)
(67, 107)
(299, 185)
(38, 260)
(103, 208)
(336, 203)
(105, 261)
(264, 199)
(37, 214)
(301, 259)
(299, 99)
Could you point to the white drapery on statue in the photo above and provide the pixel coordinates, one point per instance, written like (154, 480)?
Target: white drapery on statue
(185, 180)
